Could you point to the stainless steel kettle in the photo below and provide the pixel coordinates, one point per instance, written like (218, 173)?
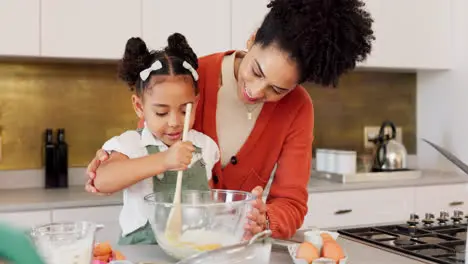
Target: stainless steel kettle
(390, 155)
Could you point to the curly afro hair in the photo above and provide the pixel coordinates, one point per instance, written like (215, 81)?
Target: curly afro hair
(326, 38)
(137, 58)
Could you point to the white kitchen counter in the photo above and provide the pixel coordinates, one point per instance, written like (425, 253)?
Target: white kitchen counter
(428, 178)
(14, 200)
(357, 253)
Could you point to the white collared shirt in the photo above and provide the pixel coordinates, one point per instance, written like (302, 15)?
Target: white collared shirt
(133, 145)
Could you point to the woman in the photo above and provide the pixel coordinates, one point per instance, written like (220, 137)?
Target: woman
(252, 104)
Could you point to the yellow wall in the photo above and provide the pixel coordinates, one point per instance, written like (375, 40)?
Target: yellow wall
(93, 105)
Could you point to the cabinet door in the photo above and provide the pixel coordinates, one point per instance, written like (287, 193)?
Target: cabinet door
(352, 208)
(247, 16)
(105, 215)
(205, 23)
(88, 28)
(434, 199)
(19, 27)
(410, 34)
(26, 219)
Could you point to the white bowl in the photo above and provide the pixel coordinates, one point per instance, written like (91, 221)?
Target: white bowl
(308, 237)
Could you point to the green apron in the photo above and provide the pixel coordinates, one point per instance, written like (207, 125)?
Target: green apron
(194, 179)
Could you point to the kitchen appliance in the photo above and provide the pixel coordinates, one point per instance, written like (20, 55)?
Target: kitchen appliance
(390, 155)
(441, 240)
(210, 220)
(255, 251)
(457, 162)
(66, 242)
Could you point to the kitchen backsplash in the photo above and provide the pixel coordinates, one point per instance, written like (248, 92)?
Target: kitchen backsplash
(364, 99)
(89, 101)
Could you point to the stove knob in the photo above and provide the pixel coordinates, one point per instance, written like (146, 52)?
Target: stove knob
(443, 218)
(414, 217)
(413, 221)
(458, 213)
(457, 216)
(428, 219)
(444, 215)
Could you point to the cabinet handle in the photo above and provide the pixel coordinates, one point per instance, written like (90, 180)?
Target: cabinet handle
(456, 203)
(345, 211)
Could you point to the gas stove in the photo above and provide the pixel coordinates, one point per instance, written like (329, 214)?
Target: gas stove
(441, 240)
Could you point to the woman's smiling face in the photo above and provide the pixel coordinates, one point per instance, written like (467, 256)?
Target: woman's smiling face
(266, 74)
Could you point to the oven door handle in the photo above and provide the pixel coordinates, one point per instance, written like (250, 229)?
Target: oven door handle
(456, 203)
(344, 211)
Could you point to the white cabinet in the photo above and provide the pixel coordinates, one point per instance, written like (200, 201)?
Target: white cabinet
(19, 27)
(205, 23)
(26, 219)
(246, 21)
(360, 207)
(434, 199)
(88, 28)
(410, 34)
(105, 215)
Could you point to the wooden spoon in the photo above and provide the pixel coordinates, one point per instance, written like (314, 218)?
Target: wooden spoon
(174, 221)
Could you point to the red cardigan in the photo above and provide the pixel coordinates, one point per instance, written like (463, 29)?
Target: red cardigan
(283, 134)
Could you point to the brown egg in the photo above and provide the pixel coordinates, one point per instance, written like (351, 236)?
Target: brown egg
(308, 252)
(118, 255)
(103, 258)
(102, 249)
(326, 237)
(332, 250)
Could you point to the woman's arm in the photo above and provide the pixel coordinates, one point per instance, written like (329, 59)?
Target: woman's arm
(120, 172)
(287, 201)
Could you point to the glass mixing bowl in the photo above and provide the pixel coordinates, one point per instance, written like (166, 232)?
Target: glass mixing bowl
(210, 220)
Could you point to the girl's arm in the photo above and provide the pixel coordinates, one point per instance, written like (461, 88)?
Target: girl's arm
(120, 172)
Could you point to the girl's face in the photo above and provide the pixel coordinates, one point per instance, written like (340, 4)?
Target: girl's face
(163, 106)
(266, 74)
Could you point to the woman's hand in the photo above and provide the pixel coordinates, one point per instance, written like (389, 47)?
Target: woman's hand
(257, 217)
(101, 156)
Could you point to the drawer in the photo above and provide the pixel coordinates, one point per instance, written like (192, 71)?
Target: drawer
(363, 207)
(26, 219)
(434, 199)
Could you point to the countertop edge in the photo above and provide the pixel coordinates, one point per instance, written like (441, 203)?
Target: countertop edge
(381, 185)
(15, 208)
(40, 199)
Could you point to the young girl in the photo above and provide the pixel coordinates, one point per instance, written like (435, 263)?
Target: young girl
(147, 160)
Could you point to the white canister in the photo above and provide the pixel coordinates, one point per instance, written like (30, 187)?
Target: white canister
(321, 156)
(345, 162)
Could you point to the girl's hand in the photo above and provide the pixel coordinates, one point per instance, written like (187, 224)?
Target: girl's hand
(179, 155)
(101, 156)
(257, 217)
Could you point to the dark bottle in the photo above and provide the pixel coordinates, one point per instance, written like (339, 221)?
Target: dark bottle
(50, 168)
(62, 159)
